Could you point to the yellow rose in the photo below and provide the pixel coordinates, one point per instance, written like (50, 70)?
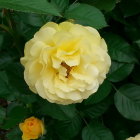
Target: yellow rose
(137, 137)
(65, 63)
(32, 128)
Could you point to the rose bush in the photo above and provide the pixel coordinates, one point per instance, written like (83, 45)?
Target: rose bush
(81, 58)
(65, 63)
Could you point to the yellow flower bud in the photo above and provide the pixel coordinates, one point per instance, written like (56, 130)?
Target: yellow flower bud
(32, 128)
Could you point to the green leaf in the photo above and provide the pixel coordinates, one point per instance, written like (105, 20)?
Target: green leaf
(14, 72)
(126, 7)
(61, 5)
(28, 99)
(5, 90)
(5, 40)
(96, 110)
(119, 49)
(26, 31)
(31, 19)
(69, 128)
(117, 124)
(5, 59)
(15, 115)
(106, 5)
(138, 43)
(127, 101)
(3, 76)
(2, 114)
(86, 15)
(119, 71)
(14, 134)
(132, 31)
(56, 111)
(102, 92)
(96, 131)
(117, 15)
(13, 85)
(30, 6)
(1, 41)
(135, 74)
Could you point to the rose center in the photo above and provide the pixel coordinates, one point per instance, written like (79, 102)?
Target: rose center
(30, 123)
(67, 67)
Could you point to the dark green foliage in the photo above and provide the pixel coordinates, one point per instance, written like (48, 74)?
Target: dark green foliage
(86, 15)
(113, 112)
(127, 101)
(97, 131)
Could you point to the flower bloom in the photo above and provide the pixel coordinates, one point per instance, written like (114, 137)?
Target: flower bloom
(32, 128)
(137, 137)
(65, 63)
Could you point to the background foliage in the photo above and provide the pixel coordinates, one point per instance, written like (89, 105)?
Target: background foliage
(113, 113)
